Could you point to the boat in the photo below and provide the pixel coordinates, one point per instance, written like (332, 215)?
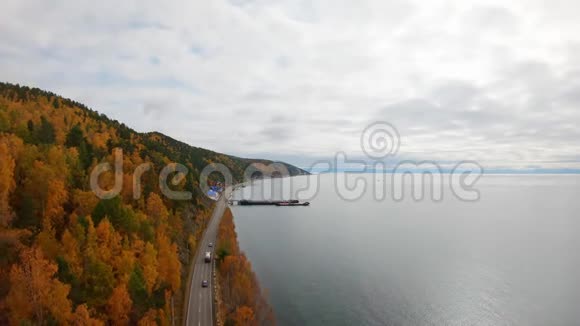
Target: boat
(284, 204)
(246, 202)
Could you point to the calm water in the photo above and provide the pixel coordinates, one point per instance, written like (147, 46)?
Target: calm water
(512, 258)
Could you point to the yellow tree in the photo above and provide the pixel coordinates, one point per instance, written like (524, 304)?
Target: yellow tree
(55, 200)
(90, 247)
(124, 264)
(56, 158)
(81, 316)
(35, 292)
(169, 266)
(71, 253)
(99, 140)
(119, 305)
(84, 201)
(47, 181)
(127, 190)
(156, 209)
(47, 240)
(149, 265)
(149, 319)
(10, 149)
(7, 164)
(36, 184)
(109, 247)
(244, 316)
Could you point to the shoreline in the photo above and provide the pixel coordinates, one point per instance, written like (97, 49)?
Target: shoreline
(232, 264)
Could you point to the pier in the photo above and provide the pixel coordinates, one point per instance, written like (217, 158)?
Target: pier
(246, 202)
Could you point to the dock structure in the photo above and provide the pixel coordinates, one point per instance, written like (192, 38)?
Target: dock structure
(247, 202)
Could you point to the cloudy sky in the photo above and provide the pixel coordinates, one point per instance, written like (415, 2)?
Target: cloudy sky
(492, 81)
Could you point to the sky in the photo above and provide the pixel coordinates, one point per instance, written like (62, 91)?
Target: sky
(495, 82)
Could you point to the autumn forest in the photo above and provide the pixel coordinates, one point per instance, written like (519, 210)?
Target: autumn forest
(67, 257)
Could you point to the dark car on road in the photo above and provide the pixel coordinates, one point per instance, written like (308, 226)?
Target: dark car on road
(204, 283)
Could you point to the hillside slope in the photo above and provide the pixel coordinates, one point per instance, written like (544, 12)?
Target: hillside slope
(67, 257)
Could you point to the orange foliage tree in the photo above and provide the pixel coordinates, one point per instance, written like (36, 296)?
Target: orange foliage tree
(119, 305)
(7, 184)
(35, 294)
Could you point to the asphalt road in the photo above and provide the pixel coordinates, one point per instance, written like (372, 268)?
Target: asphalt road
(200, 307)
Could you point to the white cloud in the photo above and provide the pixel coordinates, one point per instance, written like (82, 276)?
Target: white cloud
(486, 80)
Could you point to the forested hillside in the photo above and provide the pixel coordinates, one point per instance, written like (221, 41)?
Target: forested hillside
(67, 257)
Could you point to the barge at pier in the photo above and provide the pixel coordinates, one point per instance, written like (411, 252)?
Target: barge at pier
(246, 202)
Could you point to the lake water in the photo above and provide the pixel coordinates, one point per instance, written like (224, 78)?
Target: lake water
(510, 258)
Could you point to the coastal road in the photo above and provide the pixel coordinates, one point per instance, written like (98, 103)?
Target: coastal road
(200, 304)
